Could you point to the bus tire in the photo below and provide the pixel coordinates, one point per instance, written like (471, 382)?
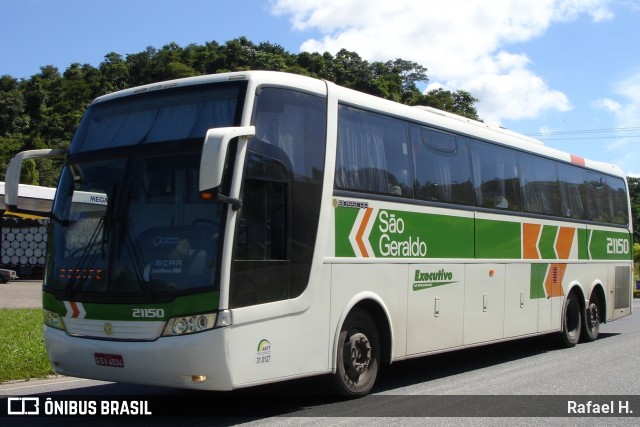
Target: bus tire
(591, 323)
(358, 355)
(571, 322)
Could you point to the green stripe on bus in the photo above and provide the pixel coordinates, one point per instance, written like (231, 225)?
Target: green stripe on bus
(206, 302)
(385, 233)
(538, 274)
(498, 239)
(345, 219)
(610, 245)
(547, 242)
(582, 243)
(421, 235)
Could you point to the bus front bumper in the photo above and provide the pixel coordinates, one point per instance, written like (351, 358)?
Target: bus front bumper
(197, 361)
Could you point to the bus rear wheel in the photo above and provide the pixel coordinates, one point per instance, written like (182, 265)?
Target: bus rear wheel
(591, 324)
(571, 322)
(358, 355)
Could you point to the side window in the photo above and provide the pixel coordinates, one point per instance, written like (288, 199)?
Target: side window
(442, 172)
(373, 154)
(597, 198)
(606, 198)
(539, 181)
(618, 198)
(571, 191)
(495, 177)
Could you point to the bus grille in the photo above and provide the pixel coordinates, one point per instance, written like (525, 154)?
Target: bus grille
(114, 329)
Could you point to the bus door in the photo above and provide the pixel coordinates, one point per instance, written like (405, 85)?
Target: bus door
(261, 266)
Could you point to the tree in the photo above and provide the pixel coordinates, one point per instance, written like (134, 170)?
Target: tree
(114, 73)
(634, 196)
(410, 74)
(11, 145)
(12, 118)
(29, 173)
(44, 110)
(140, 66)
(459, 102)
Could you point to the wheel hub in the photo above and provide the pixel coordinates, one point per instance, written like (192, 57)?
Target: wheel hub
(592, 317)
(359, 354)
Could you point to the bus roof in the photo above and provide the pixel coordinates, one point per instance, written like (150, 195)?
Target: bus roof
(425, 115)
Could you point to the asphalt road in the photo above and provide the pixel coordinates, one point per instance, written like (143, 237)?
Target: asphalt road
(531, 375)
(21, 294)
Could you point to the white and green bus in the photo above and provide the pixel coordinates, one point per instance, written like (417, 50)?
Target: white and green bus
(256, 227)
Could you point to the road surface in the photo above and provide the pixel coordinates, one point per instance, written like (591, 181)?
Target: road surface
(21, 294)
(468, 387)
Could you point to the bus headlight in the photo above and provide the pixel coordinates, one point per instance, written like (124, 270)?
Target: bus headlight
(184, 325)
(52, 319)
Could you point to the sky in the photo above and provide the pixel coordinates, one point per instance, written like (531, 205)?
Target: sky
(564, 71)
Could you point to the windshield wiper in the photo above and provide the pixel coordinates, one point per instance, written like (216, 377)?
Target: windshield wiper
(127, 238)
(77, 279)
(108, 215)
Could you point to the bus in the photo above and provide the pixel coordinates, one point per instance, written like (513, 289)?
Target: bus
(252, 227)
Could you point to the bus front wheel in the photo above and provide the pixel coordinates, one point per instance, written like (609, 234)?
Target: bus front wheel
(571, 322)
(358, 355)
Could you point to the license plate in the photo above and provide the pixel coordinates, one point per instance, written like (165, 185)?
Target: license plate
(112, 360)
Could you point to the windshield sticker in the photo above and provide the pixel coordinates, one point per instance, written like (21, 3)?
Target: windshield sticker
(160, 240)
(173, 266)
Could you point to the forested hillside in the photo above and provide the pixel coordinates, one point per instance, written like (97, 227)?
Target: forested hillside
(44, 110)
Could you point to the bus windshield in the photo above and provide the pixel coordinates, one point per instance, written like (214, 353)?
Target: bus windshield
(130, 222)
(166, 115)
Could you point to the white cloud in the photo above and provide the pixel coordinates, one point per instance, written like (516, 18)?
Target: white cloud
(628, 121)
(498, 102)
(463, 43)
(545, 130)
(606, 104)
(629, 89)
(623, 143)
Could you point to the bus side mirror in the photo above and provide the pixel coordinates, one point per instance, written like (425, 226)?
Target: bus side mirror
(214, 155)
(12, 177)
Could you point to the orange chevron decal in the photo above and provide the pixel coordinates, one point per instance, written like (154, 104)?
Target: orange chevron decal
(553, 281)
(361, 230)
(75, 310)
(530, 234)
(564, 241)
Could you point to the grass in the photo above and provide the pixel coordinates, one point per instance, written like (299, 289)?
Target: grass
(22, 352)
